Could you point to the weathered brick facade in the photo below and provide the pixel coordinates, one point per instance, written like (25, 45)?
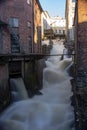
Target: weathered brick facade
(80, 87)
(29, 23)
(6, 41)
(37, 26)
(81, 34)
(21, 10)
(20, 21)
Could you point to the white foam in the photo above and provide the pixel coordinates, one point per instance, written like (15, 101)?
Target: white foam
(50, 111)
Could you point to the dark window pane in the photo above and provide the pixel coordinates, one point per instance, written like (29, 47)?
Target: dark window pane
(15, 46)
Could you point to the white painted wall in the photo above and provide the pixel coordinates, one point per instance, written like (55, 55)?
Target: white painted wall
(53, 22)
(71, 12)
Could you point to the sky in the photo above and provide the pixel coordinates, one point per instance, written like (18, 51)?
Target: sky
(54, 7)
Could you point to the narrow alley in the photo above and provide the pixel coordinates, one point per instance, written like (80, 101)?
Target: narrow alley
(43, 65)
(51, 109)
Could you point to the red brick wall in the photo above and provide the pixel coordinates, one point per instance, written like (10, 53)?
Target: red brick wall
(75, 34)
(37, 27)
(82, 34)
(21, 10)
(6, 42)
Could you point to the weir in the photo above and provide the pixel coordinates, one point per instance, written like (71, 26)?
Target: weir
(50, 111)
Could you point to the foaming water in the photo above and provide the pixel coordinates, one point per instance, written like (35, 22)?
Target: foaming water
(50, 111)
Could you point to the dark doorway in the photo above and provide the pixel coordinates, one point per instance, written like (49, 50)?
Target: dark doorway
(15, 69)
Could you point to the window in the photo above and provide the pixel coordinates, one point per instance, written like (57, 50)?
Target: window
(72, 20)
(15, 45)
(29, 24)
(59, 31)
(73, 9)
(30, 44)
(14, 22)
(28, 1)
(73, 0)
(63, 31)
(55, 31)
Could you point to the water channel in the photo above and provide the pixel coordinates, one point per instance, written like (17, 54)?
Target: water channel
(50, 111)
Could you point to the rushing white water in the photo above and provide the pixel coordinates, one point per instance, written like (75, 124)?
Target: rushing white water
(50, 111)
(18, 90)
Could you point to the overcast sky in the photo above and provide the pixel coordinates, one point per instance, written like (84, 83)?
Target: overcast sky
(54, 7)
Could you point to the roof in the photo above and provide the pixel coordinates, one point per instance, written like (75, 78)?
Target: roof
(40, 5)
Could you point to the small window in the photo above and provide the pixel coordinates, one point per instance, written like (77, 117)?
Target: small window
(59, 31)
(30, 44)
(29, 24)
(14, 22)
(73, 0)
(63, 31)
(28, 1)
(15, 45)
(73, 9)
(72, 21)
(55, 31)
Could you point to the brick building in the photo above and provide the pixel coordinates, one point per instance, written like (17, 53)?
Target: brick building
(18, 16)
(80, 27)
(37, 26)
(80, 24)
(17, 42)
(16, 38)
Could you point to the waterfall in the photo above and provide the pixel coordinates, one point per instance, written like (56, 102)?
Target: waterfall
(18, 89)
(50, 111)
